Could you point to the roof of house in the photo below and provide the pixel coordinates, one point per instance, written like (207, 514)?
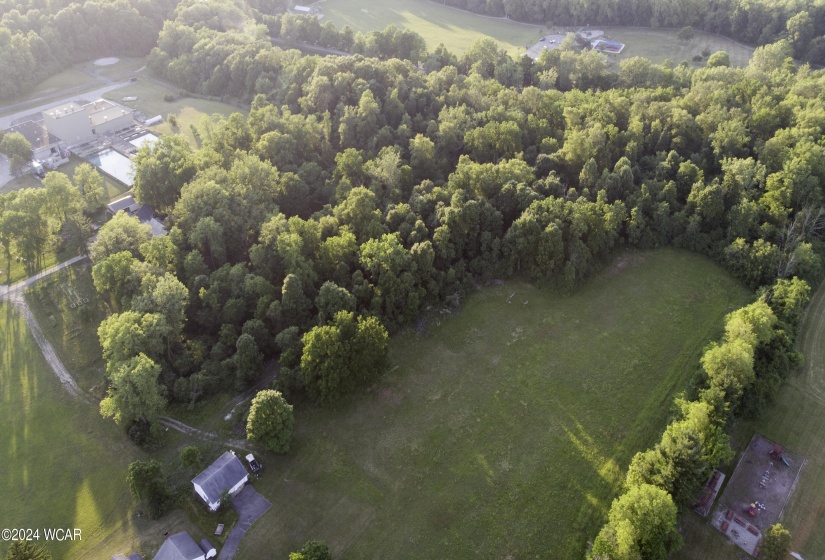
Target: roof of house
(134, 556)
(121, 204)
(144, 213)
(221, 475)
(179, 546)
(35, 133)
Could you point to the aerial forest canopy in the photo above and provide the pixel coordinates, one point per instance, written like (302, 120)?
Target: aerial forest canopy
(379, 187)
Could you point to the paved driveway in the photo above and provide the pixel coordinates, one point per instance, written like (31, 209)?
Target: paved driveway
(250, 505)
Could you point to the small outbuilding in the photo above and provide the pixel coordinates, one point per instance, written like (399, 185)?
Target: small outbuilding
(133, 556)
(227, 474)
(208, 550)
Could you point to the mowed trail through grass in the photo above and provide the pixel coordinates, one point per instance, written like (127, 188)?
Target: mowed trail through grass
(505, 430)
(797, 421)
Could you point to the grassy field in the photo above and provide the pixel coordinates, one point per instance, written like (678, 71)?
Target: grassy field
(797, 421)
(505, 430)
(70, 79)
(61, 464)
(661, 44)
(112, 188)
(72, 330)
(437, 24)
(187, 110)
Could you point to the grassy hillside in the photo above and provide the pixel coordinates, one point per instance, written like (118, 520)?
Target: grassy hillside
(504, 429)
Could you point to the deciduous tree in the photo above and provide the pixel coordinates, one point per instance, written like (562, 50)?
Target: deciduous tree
(271, 421)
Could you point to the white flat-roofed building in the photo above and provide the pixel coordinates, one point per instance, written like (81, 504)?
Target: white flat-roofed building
(76, 124)
(69, 122)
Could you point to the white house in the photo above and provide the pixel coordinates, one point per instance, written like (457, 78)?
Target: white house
(181, 546)
(227, 474)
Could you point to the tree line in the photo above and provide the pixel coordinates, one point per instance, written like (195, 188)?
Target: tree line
(754, 22)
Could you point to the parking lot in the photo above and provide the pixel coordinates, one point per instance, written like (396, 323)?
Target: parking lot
(548, 42)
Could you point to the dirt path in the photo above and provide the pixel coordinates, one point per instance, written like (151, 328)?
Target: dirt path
(47, 349)
(200, 434)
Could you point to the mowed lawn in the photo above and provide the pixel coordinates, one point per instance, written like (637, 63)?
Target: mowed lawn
(188, 111)
(797, 421)
(437, 24)
(661, 44)
(61, 465)
(505, 429)
(69, 312)
(64, 466)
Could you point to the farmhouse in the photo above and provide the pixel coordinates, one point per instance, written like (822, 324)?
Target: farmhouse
(45, 147)
(227, 474)
(76, 124)
(181, 546)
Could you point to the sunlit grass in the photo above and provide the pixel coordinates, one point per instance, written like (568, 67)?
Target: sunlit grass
(505, 429)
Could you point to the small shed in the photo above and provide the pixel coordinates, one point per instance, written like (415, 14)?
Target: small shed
(208, 549)
(226, 474)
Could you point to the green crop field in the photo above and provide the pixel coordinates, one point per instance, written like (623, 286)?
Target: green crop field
(437, 24)
(502, 430)
(187, 110)
(797, 421)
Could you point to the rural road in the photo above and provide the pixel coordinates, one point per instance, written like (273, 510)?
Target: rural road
(9, 292)
(9, 120)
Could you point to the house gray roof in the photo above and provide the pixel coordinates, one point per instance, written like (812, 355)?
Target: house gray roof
(179, 546)
(121, 204)
(221, 475)
(133, 556)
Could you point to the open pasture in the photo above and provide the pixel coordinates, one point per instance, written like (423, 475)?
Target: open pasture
(661, 44)
(502, 430)
(436, 23)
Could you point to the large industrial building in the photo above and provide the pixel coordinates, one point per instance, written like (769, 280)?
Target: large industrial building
(76, 124)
